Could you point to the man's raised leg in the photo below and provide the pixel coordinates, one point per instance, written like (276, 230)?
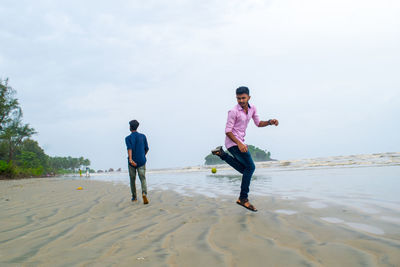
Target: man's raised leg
(233, 162)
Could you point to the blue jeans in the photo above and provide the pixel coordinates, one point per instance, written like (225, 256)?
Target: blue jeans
(243, 163)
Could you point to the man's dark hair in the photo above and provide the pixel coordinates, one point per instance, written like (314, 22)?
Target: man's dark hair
(134, 124)
(242, 90)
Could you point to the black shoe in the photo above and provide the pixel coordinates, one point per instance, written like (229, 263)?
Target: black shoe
(218, 151)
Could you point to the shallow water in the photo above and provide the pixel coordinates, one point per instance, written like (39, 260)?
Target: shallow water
(366, 188)
(338, 192)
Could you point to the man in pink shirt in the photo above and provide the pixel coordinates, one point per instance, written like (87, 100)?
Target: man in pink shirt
(238, 119)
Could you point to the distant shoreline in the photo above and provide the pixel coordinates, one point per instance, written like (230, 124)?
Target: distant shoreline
(357, 160)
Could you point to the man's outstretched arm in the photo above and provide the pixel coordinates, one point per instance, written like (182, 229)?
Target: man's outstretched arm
(259, 123)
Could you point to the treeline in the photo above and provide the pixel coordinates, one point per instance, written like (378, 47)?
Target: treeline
(20, 156)
(256, 153)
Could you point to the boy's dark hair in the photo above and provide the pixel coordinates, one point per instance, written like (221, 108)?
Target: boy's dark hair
(134, 124)
(242, 90)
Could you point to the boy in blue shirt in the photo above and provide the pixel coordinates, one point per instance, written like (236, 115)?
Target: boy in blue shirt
(137, 146)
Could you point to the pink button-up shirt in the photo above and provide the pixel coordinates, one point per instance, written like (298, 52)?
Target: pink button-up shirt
(238, 121)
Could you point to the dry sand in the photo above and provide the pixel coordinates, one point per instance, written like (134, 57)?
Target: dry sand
(47, 222)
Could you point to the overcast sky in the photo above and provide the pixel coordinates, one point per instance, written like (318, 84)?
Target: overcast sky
(328, 70)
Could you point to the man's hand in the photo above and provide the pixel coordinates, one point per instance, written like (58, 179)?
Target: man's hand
(132, 163)
(268, 122)
(242, 148)
(274, 122)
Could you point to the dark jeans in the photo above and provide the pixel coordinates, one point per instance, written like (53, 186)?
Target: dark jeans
(243, 163)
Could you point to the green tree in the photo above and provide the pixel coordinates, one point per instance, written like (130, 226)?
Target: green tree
(20, 155)
(29, 145)
(74, 163)
(68, 163)
(13, 133)
(86, 163)
(12, 130)
(8, 103)
(81, 160)
(27, 159)
(3, 150)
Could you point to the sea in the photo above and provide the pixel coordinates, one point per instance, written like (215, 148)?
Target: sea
(360, 180)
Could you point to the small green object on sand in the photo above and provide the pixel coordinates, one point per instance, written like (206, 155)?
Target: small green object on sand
(214, 170)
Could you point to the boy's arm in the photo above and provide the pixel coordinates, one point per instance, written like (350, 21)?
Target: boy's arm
(259, 123)
(129, 147)
(268, 122)
(146, 146)
(228, 131)
(130, 158)
(242, 147)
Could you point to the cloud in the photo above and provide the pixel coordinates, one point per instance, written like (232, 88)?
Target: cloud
(84, 69)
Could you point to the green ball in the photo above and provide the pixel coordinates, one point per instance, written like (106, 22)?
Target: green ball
(214, 170)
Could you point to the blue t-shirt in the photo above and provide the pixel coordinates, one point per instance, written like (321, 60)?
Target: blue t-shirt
(138, 143)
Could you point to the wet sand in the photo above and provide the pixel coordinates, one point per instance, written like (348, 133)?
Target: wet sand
(47, 222)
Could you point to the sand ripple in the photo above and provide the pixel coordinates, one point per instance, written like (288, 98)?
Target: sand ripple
(47, 222)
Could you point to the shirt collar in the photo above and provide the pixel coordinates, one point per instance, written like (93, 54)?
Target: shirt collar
(240, 107)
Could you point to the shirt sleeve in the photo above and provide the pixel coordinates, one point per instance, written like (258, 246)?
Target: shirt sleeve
(231, 121)
(128, 143)
(256, 118)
